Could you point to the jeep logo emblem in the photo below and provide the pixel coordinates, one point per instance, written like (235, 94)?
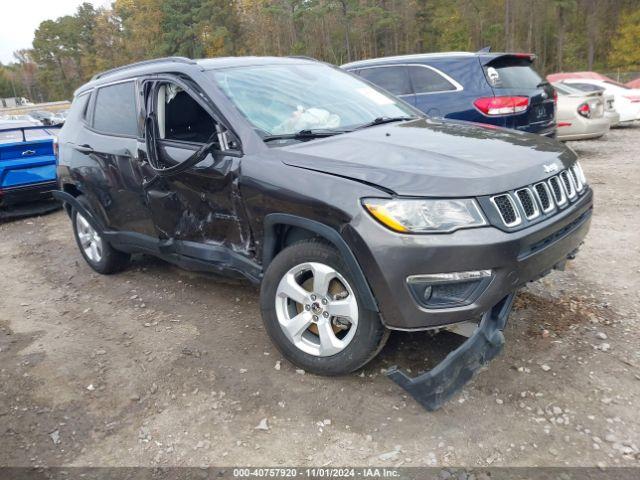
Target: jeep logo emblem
(552, 167)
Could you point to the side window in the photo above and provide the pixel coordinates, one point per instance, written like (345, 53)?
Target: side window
(180, 117)
(78, 108)
(426, 80)
(586, 87)
(115, 110)
(393, 79)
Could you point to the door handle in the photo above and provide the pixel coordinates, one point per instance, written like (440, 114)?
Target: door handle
(83, 148)
(27, 153)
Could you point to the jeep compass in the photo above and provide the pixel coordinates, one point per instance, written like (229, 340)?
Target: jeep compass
(355, 213)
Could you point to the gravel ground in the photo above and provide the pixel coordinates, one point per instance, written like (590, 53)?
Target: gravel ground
(156, 366)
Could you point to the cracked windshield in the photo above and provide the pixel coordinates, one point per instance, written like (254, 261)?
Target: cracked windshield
(288, 99)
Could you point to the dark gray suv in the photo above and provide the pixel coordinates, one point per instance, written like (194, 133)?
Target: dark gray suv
(356, 213)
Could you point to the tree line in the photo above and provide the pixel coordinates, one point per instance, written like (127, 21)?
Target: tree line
(566, 35)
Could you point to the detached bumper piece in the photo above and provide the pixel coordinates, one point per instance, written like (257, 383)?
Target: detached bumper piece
(433, 388)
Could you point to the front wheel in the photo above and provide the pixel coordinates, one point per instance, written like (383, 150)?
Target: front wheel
(313, 312)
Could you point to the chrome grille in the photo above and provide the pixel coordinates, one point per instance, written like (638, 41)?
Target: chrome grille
(528, 203)
(507, 210)
(569, 186)
(544, 197)
(577, 178)
(540, 199)
(558, 192)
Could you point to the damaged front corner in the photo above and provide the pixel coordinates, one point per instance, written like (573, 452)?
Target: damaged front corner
(433, 388)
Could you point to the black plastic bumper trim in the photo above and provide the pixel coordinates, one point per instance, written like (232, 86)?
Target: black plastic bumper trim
(433, 388)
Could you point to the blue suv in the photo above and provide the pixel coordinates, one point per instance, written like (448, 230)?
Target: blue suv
(492, 88)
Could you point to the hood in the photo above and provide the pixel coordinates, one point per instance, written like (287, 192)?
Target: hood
(434, 158)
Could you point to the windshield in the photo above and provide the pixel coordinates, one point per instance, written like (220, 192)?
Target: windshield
(286, 99)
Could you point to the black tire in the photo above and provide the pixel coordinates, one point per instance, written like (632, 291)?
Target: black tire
(370, 335)
(111, 261)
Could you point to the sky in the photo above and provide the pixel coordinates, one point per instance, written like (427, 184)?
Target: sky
(20, 18)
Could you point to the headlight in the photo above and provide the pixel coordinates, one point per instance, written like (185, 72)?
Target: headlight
(425, 216)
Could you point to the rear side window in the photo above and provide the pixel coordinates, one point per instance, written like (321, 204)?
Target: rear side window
(512, 76)
(393, 79)
(79, 107)
(426, 80)
(586, 87)
(115, 110)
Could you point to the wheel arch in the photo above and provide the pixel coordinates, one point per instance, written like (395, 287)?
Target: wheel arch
(73, 202)
(298, 228)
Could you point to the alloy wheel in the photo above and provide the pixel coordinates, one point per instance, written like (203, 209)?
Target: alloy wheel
(317, 309)
(90, 240)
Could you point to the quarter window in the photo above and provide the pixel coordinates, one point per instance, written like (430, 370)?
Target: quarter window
(79, 106)
(393, 79)
(115, 110)
(426, 80)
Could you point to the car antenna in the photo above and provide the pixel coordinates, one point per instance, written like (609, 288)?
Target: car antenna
(486, 49)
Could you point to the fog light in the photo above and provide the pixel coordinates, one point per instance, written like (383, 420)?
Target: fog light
(427, 293)
(440, 290)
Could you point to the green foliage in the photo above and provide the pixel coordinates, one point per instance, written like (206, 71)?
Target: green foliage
(625, 47)
(565, 34)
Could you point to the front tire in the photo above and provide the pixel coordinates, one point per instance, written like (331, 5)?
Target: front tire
(96, 251)
(313, 311)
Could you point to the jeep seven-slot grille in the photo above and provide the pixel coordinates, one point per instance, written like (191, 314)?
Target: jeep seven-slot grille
(568, 184)
(558, 192)
(577, 180)
(528, 203)
(507, 210)
(544, 197)
(540, 199)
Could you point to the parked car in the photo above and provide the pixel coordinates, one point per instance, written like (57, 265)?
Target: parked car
(633, 83)
(43, 116)
(559, 77)
(580, 115)
(27, 169)
(356, 213)
(610, 111)
(627, 100)
(500, 89)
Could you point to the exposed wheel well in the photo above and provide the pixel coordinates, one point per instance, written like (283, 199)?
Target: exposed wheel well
(72, 190)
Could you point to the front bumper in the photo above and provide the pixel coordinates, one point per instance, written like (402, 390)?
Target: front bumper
(433, 388)
(514, 258)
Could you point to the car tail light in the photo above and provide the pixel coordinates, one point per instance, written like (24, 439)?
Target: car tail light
(585, 110)
(633, 98)
(501, 105)
(564, 124)
(528, 56)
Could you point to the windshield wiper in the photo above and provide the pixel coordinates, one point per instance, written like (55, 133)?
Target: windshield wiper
(383, 120)
(303, 135)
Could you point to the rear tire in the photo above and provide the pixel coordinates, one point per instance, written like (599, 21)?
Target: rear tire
(307, 330)
(96, 251)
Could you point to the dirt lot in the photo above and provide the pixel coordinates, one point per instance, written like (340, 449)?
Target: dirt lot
(156, 366)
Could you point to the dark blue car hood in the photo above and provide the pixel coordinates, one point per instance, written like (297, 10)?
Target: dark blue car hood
(434, 158)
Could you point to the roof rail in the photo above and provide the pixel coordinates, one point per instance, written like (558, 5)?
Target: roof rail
(304, 57)
(143, 62)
